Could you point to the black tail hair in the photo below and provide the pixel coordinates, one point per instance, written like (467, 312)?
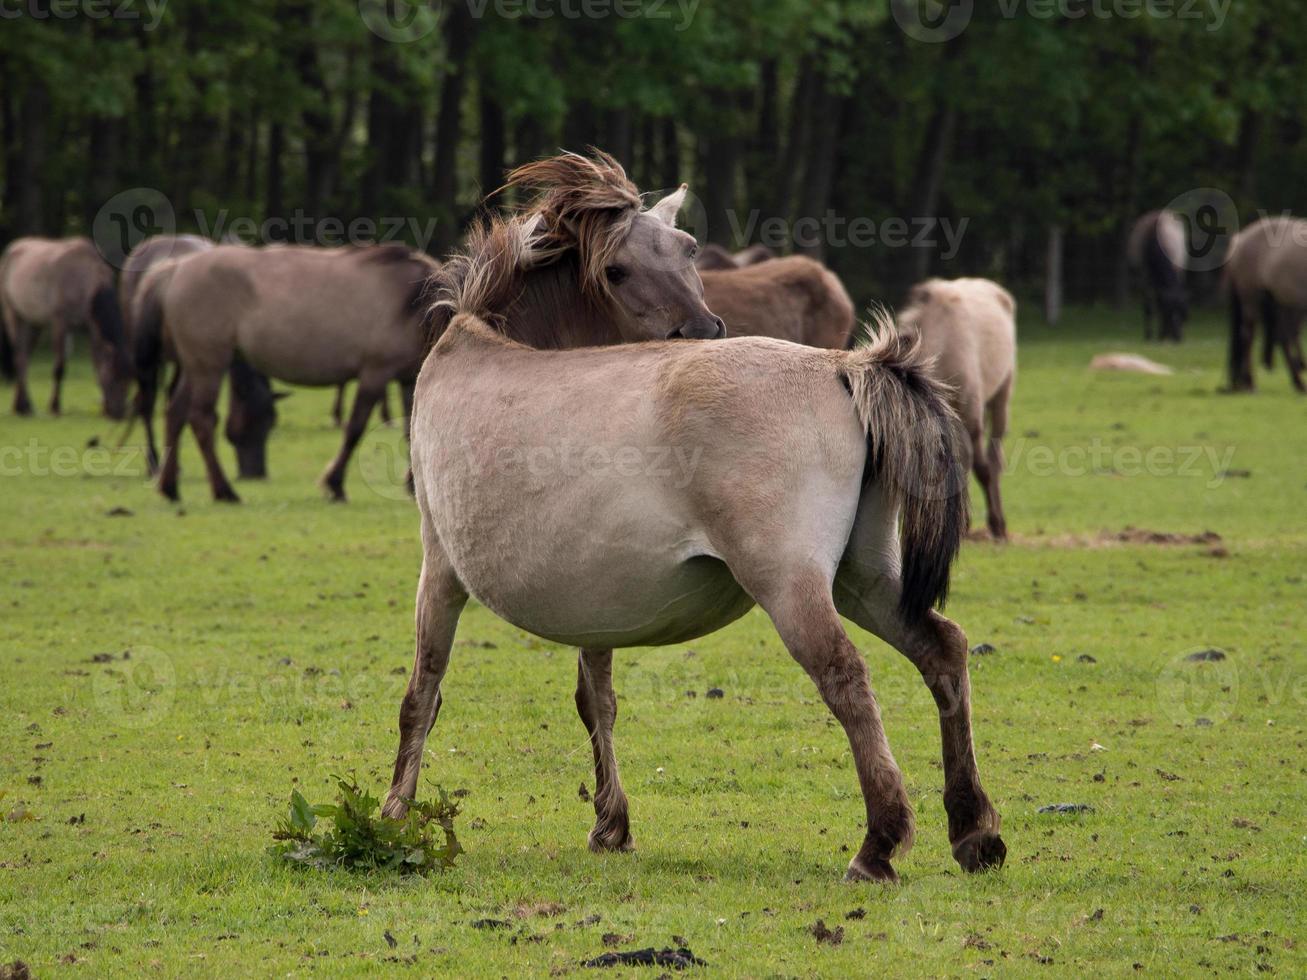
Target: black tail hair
(6, 355)
(1270, 329)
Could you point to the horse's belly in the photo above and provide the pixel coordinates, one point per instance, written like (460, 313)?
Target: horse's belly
(636, 606)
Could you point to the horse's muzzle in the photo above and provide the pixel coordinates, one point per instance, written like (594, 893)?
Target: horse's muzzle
(700, 328)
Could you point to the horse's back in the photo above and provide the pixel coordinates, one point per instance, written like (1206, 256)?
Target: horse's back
(589, 495)
(1253, 249)
(45, 278)
(969, 327)
(793, 298)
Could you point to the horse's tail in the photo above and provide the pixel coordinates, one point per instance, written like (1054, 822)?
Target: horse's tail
(146, 317)
(914, 448)
(1270, 329)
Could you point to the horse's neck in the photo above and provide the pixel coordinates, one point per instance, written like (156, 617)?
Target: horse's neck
(550, 311)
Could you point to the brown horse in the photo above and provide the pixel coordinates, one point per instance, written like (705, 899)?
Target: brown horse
(968, 328)
(252, 413)
(63, 285)
(714, 258)
(1260, 269)
(792, 298)
(1156, 255)
(542, 485)
(305, 315)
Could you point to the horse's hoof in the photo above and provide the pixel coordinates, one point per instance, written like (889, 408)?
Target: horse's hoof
(871, 869)
(171, 493)
(23, 408)
(226, 496)
(979, 850)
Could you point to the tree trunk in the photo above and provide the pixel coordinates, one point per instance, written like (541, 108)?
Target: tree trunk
(930, 172)
(494, 141)
(789, 175)
(449, 127)
(102, 173)
(274, 206)
(670, 154)
(819, 169)
(1053, 276)
(31, 159)
(721, 160)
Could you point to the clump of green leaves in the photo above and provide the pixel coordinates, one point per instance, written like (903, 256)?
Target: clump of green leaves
(358, 837)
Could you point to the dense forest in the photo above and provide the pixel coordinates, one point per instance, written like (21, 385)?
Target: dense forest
(1027, 142)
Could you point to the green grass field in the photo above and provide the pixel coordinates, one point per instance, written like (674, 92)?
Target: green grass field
(270, 645)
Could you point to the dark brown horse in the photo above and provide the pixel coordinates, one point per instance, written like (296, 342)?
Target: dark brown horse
(1265, 268)
(1156, 255)
(63, 286)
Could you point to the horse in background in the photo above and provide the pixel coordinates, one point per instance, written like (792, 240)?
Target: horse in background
(252, 408)
(968, 327)
(806, 460)
(1156, 254)
(304, 315)
(1264, 270)
(714, 258)
(794, 298)
(63, 285)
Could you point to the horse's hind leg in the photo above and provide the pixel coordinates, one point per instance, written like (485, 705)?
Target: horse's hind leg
(1290, 329)
(597, 705)
(338, 406)
(20, 339)
(994, 461)
(203, 417)
(174, 420)
(440, 600)
(869, 596)
(801, 608)
(370, 388)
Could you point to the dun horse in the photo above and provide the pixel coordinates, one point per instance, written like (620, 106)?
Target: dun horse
(1156, 254)
(968, 327)
(63, 285)
(714, 258)
(252, 413)
(805, 461)
(793, 299)
(1264, 270)
(309, 316)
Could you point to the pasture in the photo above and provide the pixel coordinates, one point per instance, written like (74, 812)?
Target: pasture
(170, 673)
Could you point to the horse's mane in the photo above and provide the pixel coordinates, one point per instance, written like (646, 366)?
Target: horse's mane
(539, 273)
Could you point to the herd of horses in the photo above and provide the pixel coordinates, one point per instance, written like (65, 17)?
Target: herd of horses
(830, 464)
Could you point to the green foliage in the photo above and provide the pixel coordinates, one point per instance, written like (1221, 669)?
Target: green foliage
(358, 839)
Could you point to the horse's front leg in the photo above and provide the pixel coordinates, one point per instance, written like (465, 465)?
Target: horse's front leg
(597, 704)
(440, 600)
(20, 339)
(370, 389)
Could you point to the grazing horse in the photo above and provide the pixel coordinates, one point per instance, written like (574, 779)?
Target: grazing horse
(968, 327)
(1156, 255)
(793, 299)
(304, 315)
(1272, 245)
(64, 285)
(543, 491)
(252, 412)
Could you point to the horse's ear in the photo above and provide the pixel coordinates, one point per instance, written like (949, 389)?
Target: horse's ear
(669, 207)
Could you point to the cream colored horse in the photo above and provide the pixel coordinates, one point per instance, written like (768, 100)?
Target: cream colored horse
(968, 327)
(545, 491)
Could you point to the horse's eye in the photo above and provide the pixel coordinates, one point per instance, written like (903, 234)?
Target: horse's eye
(694, 252)
(616, 274)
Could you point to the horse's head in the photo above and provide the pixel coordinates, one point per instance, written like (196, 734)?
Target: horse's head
(634, 266)
(652, 282)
